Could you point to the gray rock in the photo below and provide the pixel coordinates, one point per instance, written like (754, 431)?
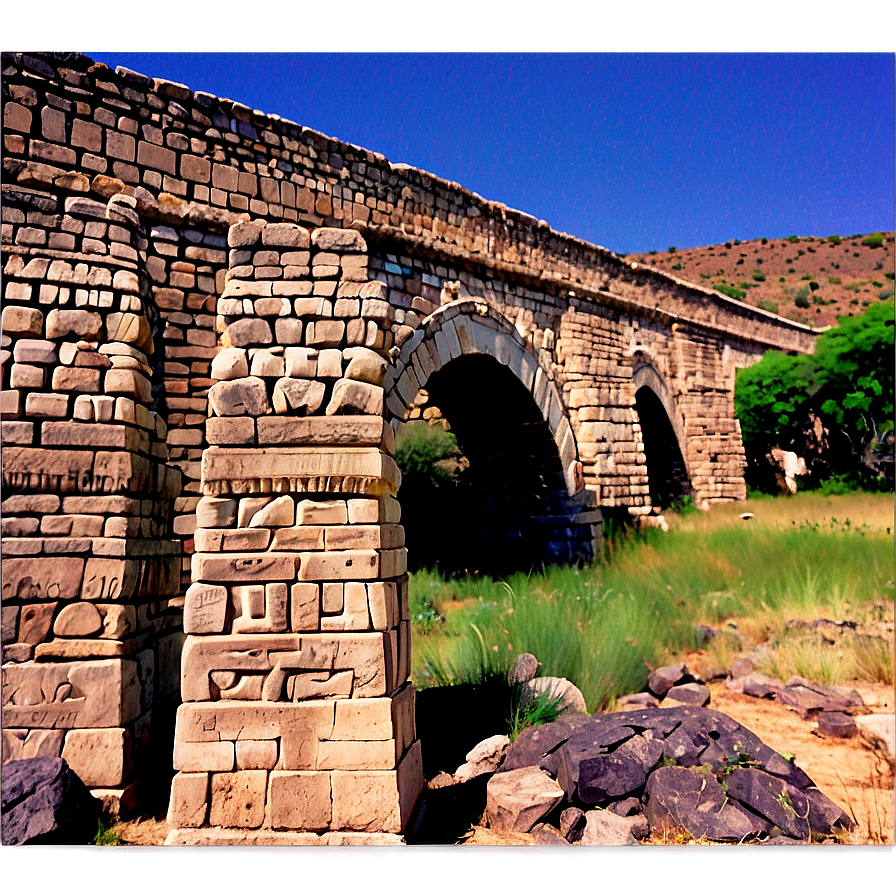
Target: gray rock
(807, 697)
(484, 758)
(524, 668)
(570, 696)
(44, 801)
(836, 724)
(539, 744)
(607, 829)
(644, 698)
(694, 694)
(681, 799)
(593, 740)
(572, 823)
(879, 732)
(518, 800)
(660, 680)
(548, 835)
(784, 806)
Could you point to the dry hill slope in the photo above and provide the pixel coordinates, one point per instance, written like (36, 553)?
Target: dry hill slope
(808, 279)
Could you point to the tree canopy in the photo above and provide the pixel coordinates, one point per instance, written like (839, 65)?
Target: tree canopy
(833, 408)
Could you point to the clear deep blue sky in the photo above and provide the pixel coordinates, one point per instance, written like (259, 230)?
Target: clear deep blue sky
(633, 152)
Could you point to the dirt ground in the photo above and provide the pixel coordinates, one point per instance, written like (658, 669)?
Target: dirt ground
(845, 770)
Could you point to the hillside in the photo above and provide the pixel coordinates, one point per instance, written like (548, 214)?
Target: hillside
(807, 279)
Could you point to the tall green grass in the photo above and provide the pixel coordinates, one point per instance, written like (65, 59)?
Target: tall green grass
(603, 625)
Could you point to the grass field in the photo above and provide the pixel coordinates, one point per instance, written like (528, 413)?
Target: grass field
(800, 558)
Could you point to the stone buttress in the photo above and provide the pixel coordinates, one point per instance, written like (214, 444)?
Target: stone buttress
(297, 724)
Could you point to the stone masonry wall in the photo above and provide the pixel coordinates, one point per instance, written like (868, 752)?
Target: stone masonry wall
(297, 723)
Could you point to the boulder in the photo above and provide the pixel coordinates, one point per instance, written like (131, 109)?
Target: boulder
(644, 698)
(570, 696)
(836, 724)
(539, 744)
(660, 680)
(572, 823)
(607, 829)
(681, 799)
(44, 801)
(484, 758)
(591, 742)
(784, 806)
(518, 800)
(693, 694)
(807, 698)
(523, 668)
(548, 835)
(879, 732)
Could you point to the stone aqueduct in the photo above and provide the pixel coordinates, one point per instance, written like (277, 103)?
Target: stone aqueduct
(214, 320)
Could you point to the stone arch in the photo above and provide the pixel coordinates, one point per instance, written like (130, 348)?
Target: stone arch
(653, 402)
(471, 326)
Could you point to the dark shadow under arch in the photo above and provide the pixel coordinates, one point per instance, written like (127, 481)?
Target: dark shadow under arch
(666, 469)
(510, 510)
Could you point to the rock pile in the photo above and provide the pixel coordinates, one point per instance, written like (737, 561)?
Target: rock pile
(617, 778)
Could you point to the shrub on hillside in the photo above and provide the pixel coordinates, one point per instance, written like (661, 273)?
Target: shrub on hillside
(873, 240)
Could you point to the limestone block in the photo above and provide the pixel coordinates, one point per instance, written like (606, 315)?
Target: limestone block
(35, 578)
(46, 404)
(300, 800)
(249, 507)
(249, 331)
(22, 321)
(238, 799)
(256, 754)
(80, 694)
(267, 363)
(393, 563)
(188, 807)
(378, 800)
(299, 538)
(78, 620)
(118, 620)
(280, 512)
(333, 597)
(351, 470)
(73, 322)
(110, 579)
(304, 607)
(325, 333)
(100, 757)
(350, 431)
(365, 365)
(284, 656)
(297, 396)
(227, 567)
(322, 513)
(34, 622)
(329, 363)
(355, 616)
(245, 396)
(20, 743)
(212, 513)
(360, 755)
(205, 608)
(231, 539)
(82, 648)
(353, 397)
(332, 239)
(382, 603)
(230, 430)
(207, 757)
(301, 362)
(230, 364)
(263, 608)
(363, 510)
(338, 565)
(365, 720)
(127, 382)
(285, 235)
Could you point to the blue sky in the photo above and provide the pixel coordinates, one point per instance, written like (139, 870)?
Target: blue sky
(633, 152)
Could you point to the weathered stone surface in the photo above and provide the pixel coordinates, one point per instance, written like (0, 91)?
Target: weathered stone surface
(660, 680)
(680, 799)
(332, 239)
(352, 397)
(807, 697)
(518, 799)
(364, 365)
(280, 512)
(238, 799)
(44, 801)
(246, 396)
(300, 801)
(836, 724)
(80, 620)
(558, 688)
(878, 730)
(205, 608)
(484, 758)
(572, 824)
(100, 757)
(230, 364)
(604, 828)
(297, 396)
(524, 668)
(188, 807)
(693, 694)
(537, 745)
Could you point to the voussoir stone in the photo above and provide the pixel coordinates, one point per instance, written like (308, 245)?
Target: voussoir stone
(518, 800)
(246, 396)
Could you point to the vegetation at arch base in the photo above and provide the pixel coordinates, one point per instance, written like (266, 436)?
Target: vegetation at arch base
(834, 408)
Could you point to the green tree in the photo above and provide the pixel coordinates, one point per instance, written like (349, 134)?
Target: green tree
(847, 385)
